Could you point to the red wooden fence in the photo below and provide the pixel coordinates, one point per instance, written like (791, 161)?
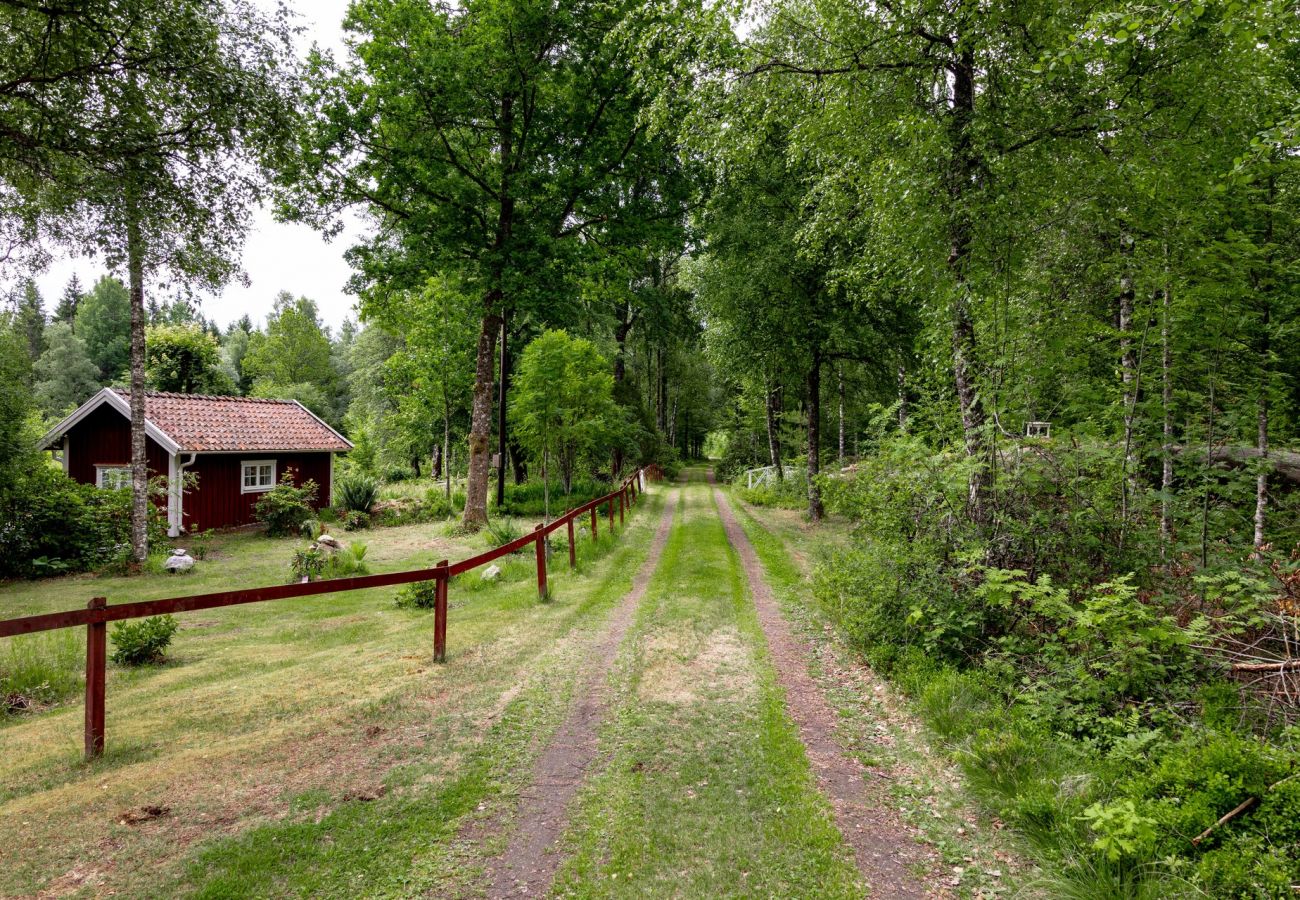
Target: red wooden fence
(98, 613)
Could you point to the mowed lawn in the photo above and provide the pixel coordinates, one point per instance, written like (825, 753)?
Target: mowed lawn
(286, 712)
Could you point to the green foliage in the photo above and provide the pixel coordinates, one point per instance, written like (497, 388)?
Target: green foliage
(419, 595)
(200, 542)
(563, 406)
(138, 642)
(307, 564)
(292, 358)
(54, 525)
(184, 359)
(355, 520)
(39, 670)
(285, 508)
(356, 492)
(103, 322)
(502, 531)
(349, 560)
(529, 499)
(65, 377)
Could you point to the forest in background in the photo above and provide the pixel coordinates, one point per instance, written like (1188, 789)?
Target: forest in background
(1012, 288)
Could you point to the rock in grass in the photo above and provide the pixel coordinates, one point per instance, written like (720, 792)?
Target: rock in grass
(492, 573)
(179, 561)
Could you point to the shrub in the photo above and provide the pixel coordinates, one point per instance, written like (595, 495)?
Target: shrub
(347, 561)
(307, 564)
(353, 520)
(38, 670)
(502, 531)
(285, 508)
(143, 641)
(419, 595)
(50, 525)
(357, 492)
(200, 543)
(436, 504)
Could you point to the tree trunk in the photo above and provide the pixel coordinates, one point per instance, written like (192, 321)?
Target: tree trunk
(620, 375)
(1128, 373)
(518, 462)
(546, 489)
(815, 511)
(902, 401)
(841, 398)
(773, 431)
(435, 464)
(445, 461)
(480, 429)
(501, 415)
(964, 350)
(1261, 413)
(139, 456)
(1167, 426)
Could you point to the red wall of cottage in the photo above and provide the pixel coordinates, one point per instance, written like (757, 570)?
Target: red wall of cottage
(216, 502)
(104, 438)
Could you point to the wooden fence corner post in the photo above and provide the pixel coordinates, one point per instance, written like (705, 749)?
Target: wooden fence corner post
(440, 582)
(573, 551)
(594, 517)
(96, 673)
(540, 544)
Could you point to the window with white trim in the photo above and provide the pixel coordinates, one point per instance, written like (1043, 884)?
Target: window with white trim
(257, 475)
(113, 478)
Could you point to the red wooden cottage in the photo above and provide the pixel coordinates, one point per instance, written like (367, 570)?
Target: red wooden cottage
(238, 447)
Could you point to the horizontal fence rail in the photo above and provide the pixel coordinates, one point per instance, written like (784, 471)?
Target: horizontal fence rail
(98, 613)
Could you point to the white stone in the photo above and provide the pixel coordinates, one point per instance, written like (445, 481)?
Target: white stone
(179, 561)
(328, 540)
(492, 573)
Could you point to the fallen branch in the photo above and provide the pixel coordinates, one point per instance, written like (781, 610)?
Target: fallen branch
(1281, 666)
(1227, 817)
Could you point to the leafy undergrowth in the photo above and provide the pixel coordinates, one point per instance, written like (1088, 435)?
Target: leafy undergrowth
(1076, 682)
(707, 791)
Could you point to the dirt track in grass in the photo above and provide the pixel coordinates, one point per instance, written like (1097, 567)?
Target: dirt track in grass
(528, 864)
(882, 849)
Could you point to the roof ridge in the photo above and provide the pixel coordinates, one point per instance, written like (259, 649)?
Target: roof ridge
(178, 395)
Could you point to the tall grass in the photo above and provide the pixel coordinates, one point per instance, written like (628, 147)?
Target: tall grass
(40, 670)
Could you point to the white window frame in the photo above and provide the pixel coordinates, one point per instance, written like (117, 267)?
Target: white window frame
(258, 488)
(102, 470)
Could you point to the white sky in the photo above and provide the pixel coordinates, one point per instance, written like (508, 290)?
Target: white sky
(277, 256)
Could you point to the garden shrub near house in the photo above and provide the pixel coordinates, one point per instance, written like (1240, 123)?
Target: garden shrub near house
(52, 525)
(286, 508)
(139, 642)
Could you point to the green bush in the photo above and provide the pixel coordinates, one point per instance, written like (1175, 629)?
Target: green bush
(307, 564)
(39, 670)
(347, 561)
(352, 520)
(502, 531)
(140, 642)
(356, 492)
(285, 508)
(419, 595)
(51, 525)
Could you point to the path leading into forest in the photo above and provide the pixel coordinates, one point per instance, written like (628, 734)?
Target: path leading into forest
(700, 757)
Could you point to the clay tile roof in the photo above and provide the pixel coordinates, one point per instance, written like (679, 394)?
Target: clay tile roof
(198, 422)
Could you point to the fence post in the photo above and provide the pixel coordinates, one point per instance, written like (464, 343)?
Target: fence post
(96, 672)
(611, 515)
(593, 523)
(621, 495)
(573, 551)
(540, 544)
(440, 580)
